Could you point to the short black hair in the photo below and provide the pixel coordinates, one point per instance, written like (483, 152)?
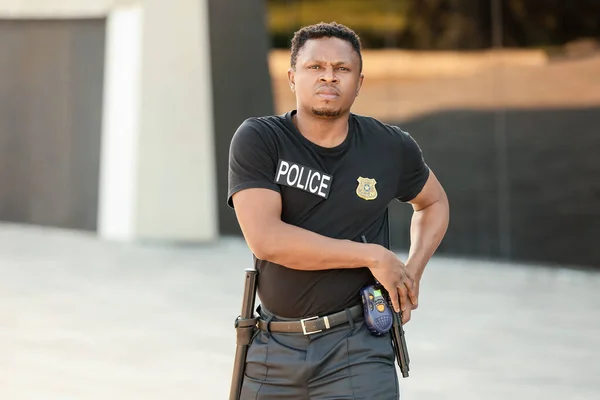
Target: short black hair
(324, 30)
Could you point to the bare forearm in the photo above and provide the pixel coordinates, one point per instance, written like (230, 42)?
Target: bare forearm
(298, 248)
(427, 229)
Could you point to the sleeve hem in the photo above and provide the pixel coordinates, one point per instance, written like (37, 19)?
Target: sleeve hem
(408, 197)
(250, 185)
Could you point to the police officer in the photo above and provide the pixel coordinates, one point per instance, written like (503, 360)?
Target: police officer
(306, 186)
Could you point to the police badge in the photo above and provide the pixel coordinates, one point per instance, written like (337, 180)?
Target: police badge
(366, 188)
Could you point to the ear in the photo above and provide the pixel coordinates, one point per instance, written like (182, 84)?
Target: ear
(291, 79)
(360, 82)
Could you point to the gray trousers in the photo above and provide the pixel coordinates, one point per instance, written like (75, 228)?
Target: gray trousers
(345, 362)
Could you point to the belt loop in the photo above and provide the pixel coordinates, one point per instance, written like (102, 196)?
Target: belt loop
(350, 319)
(267, 322)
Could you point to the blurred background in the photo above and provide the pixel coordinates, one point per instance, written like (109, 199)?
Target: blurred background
(115, 123)
(503, 97)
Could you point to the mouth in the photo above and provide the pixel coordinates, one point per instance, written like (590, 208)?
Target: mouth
(328, 96)
(328, 93)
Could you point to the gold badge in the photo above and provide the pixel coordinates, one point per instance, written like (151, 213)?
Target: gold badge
(366, 188)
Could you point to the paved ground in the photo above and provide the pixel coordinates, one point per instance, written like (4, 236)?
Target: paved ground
(85, 319)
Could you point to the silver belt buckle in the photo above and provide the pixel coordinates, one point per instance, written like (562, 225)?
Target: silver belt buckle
(302, 321)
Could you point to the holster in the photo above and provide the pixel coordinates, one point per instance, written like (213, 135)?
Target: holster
(245, 329)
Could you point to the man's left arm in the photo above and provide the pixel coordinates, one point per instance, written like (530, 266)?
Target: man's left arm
(427, 229)
(420, 187)
(428, 225)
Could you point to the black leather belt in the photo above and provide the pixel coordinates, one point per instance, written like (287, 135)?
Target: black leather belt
(311, 325)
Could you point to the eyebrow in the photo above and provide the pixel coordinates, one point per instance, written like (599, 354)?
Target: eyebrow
(335, 64)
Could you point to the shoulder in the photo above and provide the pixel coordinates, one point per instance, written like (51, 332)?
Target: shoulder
(258, 131)
(261, 125)
(376, 129)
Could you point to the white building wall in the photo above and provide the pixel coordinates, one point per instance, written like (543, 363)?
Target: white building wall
(158, 173)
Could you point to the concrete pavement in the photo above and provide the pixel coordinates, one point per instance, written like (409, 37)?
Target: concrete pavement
(85, 319)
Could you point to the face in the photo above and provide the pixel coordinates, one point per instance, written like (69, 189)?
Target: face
(327, 77)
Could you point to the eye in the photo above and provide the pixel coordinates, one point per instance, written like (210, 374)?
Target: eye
(314, 67)
(343, 69)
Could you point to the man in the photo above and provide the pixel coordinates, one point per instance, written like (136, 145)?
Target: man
(306, 186)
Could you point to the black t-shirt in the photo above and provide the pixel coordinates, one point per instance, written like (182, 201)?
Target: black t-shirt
(341, 192)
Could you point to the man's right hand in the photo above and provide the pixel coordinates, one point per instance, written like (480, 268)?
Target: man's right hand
(395, 278)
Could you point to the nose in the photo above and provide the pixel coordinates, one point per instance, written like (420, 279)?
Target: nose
(329, 75)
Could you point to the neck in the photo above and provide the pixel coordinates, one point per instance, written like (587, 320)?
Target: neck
(323, 131)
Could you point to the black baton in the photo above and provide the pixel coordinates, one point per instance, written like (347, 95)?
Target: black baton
(245, 325)
(397, 331)
(397, 334)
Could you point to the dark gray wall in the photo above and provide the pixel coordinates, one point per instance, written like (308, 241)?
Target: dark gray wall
(241, 81)
(51, 85)
(553, 194)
